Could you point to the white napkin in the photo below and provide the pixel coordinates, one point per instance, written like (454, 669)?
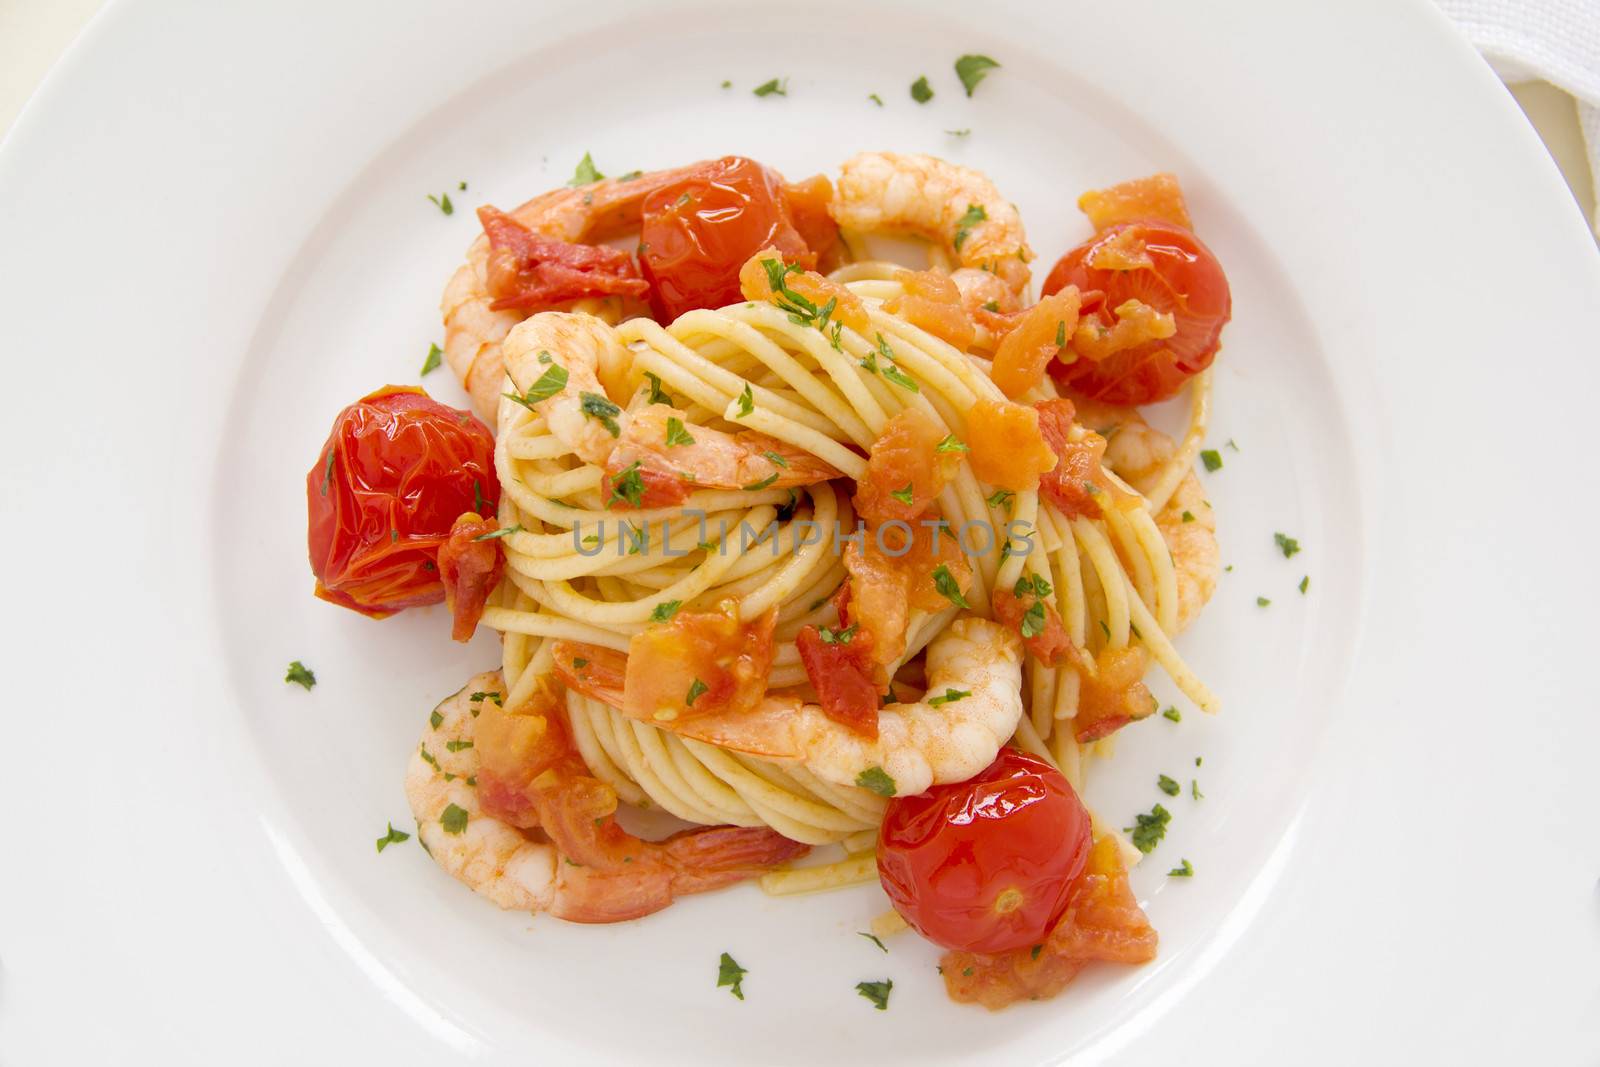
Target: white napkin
(1557, 41)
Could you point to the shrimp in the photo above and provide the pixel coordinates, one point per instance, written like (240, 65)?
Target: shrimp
(957, 208)
(972, 706)
(588, 869)
(1137, 452)
(569, 363)
(474, 332)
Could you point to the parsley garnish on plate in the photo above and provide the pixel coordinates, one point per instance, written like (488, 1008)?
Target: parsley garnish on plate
(875, 98)
(1185, 871)
(1262, 602)
(1172, 713)
(442, 202)
(920, 92)
(775, 87)
(1305, 583)
(730, 974)
(875, 940)
(959, 133)
(877, 992)
(1169, 786)
(586, 172)
(1288, 544)
(300, 675)
(1212, 459)
(1148, 830)
(435, 357)
(876, 780)
(393, 837)
(972, 69)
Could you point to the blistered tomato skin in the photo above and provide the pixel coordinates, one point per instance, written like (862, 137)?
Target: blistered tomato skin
(986, 865)
(391, 479)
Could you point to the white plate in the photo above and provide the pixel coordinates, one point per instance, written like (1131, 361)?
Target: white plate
(213, 234)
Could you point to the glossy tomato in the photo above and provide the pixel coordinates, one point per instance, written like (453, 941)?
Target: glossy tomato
(699, 230)
(986, 865)
(392, 477)
(1183, 278)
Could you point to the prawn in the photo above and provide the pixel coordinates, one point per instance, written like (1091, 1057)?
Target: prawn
(1137, 453)
(569, 363)
(474, 331)
(481, 829)
(958, 209)
(971, 707)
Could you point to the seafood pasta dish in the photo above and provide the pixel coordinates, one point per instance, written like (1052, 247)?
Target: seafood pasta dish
(851, 567)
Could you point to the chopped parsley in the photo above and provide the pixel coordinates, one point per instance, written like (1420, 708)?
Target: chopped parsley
(1232, 445)
(1033, 953)
(1169, 786)
(665, 611)
(964, 225)
(762, 484)
(586, 173)
(551, 382)
(837, 637)
(628, 487)
(1185, 871)
(991, 305)
(951, 444)
(435, 720)
(457, 746)
(1031, 583)
(776, 459)
(1194, 786)
(947, 586)
(327, 473)
(1105, 629)
(442, 202)
(875, 98)
(775, 87)
(453, 819)
(747, 401)
(676, 434)
(696, 689)
(875, 940)
(1288, 544)
(726, 84)
(1212, 459)
(730, 974)
(1172, 713)
(950, 697)
(502, 532)
(1149, 829)
(959, 133)
(1262, 602)
(602, 410)
(876, 780)
(435, 357)
(920, 92)
(657, 394)
(877, 992)
(1305, 583)
(1188, 516)
(972, 69)
(630, 176)
(300, 675)
(1033, 620)
(1000, 498)
(904, 494)
(393, 837)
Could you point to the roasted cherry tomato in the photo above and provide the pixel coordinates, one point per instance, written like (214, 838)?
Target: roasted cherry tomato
(1183, 278)
(392, 477)
(700, 230)
(986, 865)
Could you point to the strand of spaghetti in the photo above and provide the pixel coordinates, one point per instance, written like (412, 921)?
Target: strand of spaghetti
(850, 871)
(594, 754)
(1182, 461)
(1155, 639)
(1113, 583)
(1165, 571)
(1135, 561)
(843, 370)
(565, 629)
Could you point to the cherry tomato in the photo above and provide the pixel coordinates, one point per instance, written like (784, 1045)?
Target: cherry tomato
(392, 477)
(1185, 280)
(986, 865)
(699, 230)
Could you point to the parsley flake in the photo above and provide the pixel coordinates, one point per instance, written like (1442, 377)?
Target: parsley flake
(747, 401)
(1169, 786)
(453, 819)
(627, 486)
(1185, 871)
(1212, 459)
(948, 587)
(442, 202)
(696, 689)
(1194, 786)
(1288, 544)
(1149, 829)
(972, 69)
(327, 473)
(300, 675)
(602, 410)
(950, 697)
(959, 133)
(775, 87)
(964, 225)
(837, 637)
(551, 382)
(876, 780)
(1262, 602)
(457, 746)
(435, 720)
(657, 394)
(676, 434)
(877, 992)
(875, 98)
(762, 484)
(586, 173)
(905, 494)
(1000, 498)
(393, 837)
(920, 92)
(875, 940)
(951, 444)
(503, 531)
(1033, 620)
(435, 357)
(664, 611)
(730, 974)
(1172, 713)
(1305, 583)
(1188, 516)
